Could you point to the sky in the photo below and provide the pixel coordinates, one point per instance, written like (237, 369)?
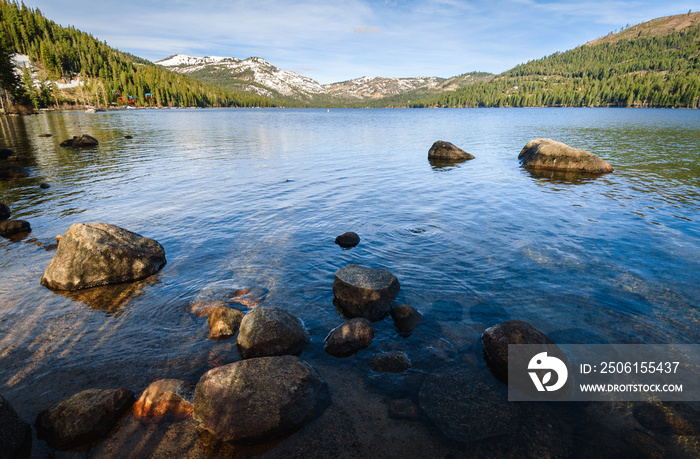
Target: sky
(338, 40)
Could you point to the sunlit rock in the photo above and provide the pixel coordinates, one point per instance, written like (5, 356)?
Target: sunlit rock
(446, 151)
(94, 254)
(269, 331)
(347, 240)
(165, 397)
(405, 318)
(256, 399)
(548, 154)
(224, 322)
(15, 434)
(390, 362)
(365, 292)
(84, 418)
(11, 227)
(80, 141)
(349, 337)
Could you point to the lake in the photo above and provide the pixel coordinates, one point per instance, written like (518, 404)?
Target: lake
(253, 198)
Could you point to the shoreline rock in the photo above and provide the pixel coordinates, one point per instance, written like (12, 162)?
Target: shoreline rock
(224, 322)
(9, 228)
(349, 337)
(390, 362)
(365, 292)
(406, 318)
(15, 434)
(165, 397)
(446, 151)
(95, 254)
(80, 141)
(548, 154)
(269, 331)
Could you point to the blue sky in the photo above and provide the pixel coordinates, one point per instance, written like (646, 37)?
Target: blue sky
(331, 40)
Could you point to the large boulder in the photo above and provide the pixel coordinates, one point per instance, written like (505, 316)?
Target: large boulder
(11, 227)
(84, 418)
(365, 292)
(80, 141)
(165, 397)
(548, 154)
(15, 434)
(257, 399)
(497, 338)
(93, 254)
(224, 322)
(446, 151)
(270, 331)
(350, 337)
(4, 211)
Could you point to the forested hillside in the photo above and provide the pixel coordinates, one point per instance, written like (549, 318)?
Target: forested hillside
(110, 76)
(640, 71)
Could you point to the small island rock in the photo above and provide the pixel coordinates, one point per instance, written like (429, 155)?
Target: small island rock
(442, 150)
(83, 418)
(93, 254)
(11, 227)
(497, 338)
(365, 292)
(224, 322)
(548, 154)
(350, 337)
(4, 212)
(165, 397)
(15, 434)
(80, 141)
(270, 331)
(405, 318)
(347, 240)
(256, 399)
(391, 362)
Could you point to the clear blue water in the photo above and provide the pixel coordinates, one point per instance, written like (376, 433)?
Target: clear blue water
(255, 198)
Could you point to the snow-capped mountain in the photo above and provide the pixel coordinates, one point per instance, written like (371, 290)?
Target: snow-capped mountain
(378, 87)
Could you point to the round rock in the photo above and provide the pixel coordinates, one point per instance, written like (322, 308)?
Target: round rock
(548, 154)
(257, 399)
(15, 434)
(93, 254)
(442, 150)
(365, 292)
(11, 227)
(80, 141)
(270, 331)
(4, 211)
(497, 338)
(390, 362)
(165, 397)
(84, 418)
(224, 322)
(347, 240)
(405, 318)
(350, 337)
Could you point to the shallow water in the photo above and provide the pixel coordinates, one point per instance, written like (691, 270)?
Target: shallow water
(255, 198)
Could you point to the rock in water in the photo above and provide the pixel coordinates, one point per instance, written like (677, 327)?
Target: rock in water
(365, 292)
(4, 212)
(93, 254)
(257, 399)
(11, 227)
(548, 154)
(497, 338)
(442, 150)
(5, 153)
(84, 418)
(347, 240)
(405, 318)
(269, 331)
(391, 362)
(165, 397)
(13, 172)
(350, 337)
(224, 322)
(80, 141)
(15, 434)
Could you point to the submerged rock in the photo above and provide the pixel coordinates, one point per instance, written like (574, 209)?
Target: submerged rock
(365, 292)
(257, 399)
(80, 141)
(497, 338)
(269, 331)
(4, 211)
(15, 434)
(347, 240)
(84, 418)
(390, 362)
(224, 322)
(446, 151)
(13, 172)
(405, 318)
(11, 227)
(548, 154)
(165, 397)
(350, 337)
(93, 254)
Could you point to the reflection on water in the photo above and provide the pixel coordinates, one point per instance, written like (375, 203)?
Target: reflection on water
(247, 204)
